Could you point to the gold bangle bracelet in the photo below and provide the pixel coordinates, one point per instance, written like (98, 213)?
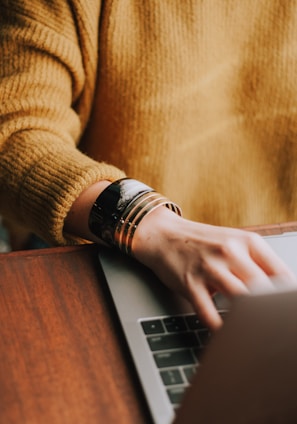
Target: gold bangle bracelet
(119, 209)
(131, 218)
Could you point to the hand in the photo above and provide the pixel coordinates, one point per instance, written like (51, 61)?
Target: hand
(198, 260)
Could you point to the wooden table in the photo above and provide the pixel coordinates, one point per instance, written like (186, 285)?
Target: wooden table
(266, 230)
(62, 357)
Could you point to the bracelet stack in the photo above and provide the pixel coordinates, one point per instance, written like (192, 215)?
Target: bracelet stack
(120, 208)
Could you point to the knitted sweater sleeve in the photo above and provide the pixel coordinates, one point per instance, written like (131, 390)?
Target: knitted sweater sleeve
(47, 75)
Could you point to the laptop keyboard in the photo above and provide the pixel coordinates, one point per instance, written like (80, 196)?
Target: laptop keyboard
(177, 344)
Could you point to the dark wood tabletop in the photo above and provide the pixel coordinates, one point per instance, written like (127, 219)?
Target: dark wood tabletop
(266, 230)
(63, 359)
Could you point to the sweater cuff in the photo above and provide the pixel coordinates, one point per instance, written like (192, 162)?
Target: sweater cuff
(50, 179)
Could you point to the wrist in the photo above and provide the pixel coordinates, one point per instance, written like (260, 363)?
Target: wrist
(120, 208)
(155, 235)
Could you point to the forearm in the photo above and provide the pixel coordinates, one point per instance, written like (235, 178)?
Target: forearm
(42, 117)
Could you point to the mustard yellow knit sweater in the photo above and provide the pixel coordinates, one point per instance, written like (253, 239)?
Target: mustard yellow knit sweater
(195, 98)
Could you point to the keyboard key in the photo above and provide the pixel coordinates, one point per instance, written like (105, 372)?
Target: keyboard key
(152, 326)
(175, 324)
(189, 373)
(194, 323)
(170, 377)
(174, 358)
(172, 341)
(176, 394)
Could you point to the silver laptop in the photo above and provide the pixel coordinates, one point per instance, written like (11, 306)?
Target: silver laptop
(167, 341)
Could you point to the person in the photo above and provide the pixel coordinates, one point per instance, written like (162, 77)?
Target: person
(102, 100)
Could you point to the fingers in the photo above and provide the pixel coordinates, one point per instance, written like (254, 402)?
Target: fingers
(228, 279)
(249, 272)
(233, 274)
(203, 304)
(243, 266)
(220, 277)
(247, 260)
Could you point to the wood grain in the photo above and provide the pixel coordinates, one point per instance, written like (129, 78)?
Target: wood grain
(61, 358)
(266, 230)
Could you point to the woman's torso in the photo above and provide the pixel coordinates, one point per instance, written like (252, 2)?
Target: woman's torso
(197, 99)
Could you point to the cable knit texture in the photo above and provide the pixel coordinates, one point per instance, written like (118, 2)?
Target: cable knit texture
(195, 98)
